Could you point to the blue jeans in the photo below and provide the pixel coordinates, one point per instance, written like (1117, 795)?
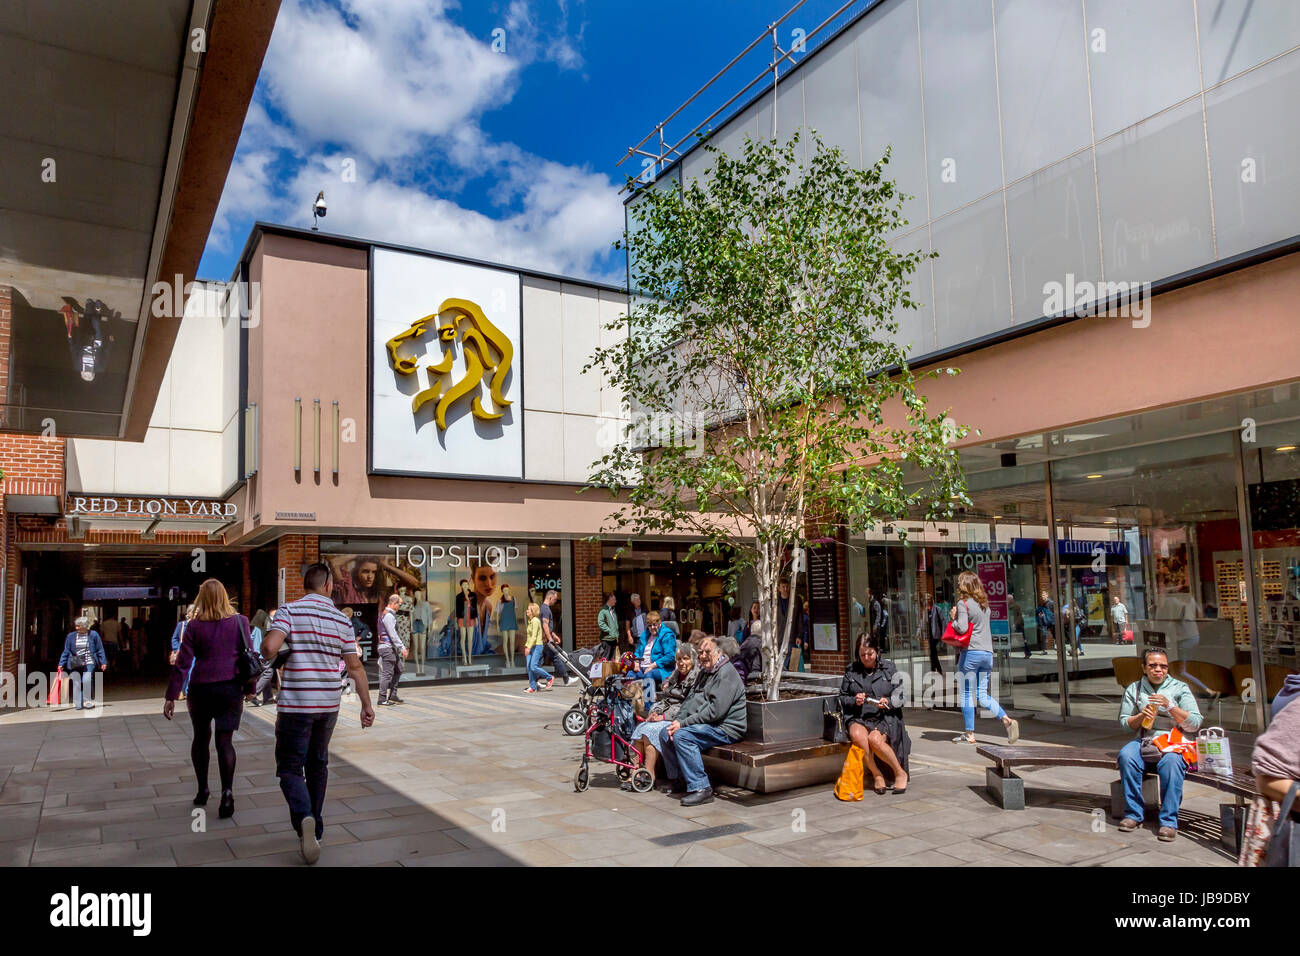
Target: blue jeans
(86, 692)
(302, 756)
(1171, 768)
(973, 671)
(684, 753)
(534, 664)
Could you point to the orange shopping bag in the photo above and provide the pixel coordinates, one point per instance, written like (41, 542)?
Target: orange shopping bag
(56, 689)
(849, 786)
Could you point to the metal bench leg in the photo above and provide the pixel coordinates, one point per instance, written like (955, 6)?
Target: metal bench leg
(1150, 797)
(1006, 788)
(1232, 821)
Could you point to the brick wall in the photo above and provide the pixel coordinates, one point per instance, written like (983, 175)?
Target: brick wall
(834, 662)
(32, 465)
(587, 592)
(293, 552)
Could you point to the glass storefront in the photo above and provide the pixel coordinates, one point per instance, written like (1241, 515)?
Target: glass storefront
(659, 571)
(1177, 529)
(464, 599)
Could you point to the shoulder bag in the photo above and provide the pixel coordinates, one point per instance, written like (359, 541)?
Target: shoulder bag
(835, 728)
(1284, 850)
(248, 663)
(959, 641)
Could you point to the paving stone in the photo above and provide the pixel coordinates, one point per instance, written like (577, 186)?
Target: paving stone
(58, 838)
(125, 853)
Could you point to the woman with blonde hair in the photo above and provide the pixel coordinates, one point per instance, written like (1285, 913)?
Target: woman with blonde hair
(533, 646)
(970, 615)
(211, 643)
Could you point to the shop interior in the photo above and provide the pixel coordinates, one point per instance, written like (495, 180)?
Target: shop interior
(657, 571)
(1149, 521)
(149, 590)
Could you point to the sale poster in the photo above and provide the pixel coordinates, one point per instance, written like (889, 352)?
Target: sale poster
(993, 575)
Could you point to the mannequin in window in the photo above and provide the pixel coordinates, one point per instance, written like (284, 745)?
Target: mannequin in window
(404, 614)
(466, 614)
(421, 628)
(507, 624)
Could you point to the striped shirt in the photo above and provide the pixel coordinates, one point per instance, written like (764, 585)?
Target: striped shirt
(318, 636)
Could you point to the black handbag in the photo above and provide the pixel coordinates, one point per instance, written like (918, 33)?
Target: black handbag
(248, 663)
(834, 727)
(76, 664)
(1284, 848)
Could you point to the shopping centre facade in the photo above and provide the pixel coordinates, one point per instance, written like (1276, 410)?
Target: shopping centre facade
(417, 419)
(420, 422)
(1065, 161)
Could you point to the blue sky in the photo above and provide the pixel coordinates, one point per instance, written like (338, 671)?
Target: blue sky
(506, 156)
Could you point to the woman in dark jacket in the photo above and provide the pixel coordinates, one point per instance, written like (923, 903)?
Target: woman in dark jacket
(211, 642)
(872, 704)
(83, 652)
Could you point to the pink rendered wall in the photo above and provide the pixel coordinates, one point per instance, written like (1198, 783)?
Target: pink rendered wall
(311, 343)
(1226, 335)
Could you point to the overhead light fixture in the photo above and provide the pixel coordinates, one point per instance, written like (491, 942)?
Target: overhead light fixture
(1094, 475)
(1285, 448)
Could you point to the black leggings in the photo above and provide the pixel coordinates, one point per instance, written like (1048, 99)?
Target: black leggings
(225, 754)
(220, 704)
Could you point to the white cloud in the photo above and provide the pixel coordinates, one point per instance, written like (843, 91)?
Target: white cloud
(397, 86)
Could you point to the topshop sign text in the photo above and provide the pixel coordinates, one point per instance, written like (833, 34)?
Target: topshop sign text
(456, 555)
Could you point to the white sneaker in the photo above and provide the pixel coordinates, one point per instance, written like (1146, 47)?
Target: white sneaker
(570, 680)
(310, 845)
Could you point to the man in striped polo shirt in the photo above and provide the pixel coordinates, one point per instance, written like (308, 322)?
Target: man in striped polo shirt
(318, 636)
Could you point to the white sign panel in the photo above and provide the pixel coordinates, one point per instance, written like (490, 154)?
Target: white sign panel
(447, 373)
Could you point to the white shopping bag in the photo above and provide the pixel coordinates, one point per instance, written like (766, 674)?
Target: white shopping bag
(1213, 755)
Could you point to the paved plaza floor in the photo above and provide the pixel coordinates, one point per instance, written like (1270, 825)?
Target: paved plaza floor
(482, 775)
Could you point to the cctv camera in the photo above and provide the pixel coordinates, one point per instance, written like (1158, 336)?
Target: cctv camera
(319, 208)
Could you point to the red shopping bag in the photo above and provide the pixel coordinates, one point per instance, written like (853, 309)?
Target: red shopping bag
(1128, 637)
(56, 689)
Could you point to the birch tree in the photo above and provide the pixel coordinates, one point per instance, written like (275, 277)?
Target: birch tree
(768, 398)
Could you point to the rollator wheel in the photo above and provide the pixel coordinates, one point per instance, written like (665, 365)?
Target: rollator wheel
(643, 780)
(575, 722)
(623, 773)
(581, 779)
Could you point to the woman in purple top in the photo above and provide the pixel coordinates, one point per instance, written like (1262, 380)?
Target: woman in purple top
(211, 643)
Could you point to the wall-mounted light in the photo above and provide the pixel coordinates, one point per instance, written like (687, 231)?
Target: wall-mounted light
(1092, 476)
(336, 439)
(1285, 448)
(297, 436)
(315, 436)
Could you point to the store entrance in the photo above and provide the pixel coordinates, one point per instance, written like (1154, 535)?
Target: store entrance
(662, 573)
(133, 597)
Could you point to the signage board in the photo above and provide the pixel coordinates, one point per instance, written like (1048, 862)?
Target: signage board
(993, 576)
(446, 375)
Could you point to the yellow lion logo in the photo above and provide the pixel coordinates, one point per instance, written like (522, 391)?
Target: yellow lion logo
(486, 348)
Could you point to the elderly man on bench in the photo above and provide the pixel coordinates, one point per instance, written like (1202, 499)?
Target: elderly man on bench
(713, 714)
(1162, 711)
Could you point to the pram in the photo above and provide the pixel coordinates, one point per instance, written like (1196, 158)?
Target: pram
(578, 717)
(609, 739)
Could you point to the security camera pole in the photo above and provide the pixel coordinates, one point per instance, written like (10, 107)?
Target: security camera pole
(318, 210)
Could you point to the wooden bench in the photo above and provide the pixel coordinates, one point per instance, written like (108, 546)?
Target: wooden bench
(1009, 790)
(769, 768)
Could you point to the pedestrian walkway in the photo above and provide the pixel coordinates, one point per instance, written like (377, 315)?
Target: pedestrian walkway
(482, 775)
